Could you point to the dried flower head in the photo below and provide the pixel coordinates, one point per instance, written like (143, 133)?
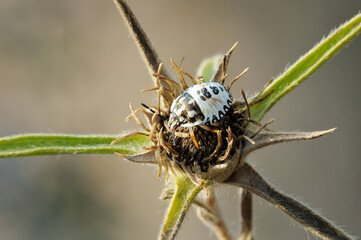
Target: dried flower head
(207, 152)
(201, 151)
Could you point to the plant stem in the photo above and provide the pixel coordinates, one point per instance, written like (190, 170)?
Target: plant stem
(184, 194)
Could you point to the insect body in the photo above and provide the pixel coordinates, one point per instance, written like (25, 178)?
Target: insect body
(202, 104)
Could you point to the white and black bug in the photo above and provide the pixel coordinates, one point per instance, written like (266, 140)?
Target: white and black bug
(205, 103)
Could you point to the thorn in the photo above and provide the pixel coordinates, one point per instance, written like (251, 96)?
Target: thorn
(233, 47)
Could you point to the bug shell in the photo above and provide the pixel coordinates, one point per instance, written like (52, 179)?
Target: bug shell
(201, 104)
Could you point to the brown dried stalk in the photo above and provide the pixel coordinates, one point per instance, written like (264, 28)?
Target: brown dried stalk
(145, 47)
(246, 213)
(209, 213)
(248, 179)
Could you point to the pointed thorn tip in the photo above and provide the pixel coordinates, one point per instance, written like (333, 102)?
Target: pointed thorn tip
(119, 154)
(329, 130)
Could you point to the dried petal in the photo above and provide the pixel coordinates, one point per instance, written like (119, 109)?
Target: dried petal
(146, 157)
(269, 138)
(218, 74)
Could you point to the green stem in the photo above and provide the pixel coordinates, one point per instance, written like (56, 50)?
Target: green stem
(52, 144)
(184, 195)
(306, 65)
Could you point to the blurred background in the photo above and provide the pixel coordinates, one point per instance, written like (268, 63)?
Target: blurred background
(72, 67)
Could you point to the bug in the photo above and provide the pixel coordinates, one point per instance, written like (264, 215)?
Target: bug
(202, 104)
(205, 103)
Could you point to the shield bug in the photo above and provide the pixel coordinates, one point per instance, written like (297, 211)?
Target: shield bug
(205, 103)
(202, 104)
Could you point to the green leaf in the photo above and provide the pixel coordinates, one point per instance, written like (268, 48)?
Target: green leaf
(306, 65)
(208, 67)
(52, 144)
(183, 197)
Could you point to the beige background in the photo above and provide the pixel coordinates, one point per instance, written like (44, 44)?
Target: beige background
(71, 67)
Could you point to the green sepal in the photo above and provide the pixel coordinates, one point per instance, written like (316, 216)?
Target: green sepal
(208, 67)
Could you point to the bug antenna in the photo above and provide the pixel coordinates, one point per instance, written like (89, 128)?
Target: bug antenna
(153, 111)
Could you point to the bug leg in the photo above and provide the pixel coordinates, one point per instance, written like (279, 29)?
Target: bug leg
(194, 138)
(209, 129)
(177, 134)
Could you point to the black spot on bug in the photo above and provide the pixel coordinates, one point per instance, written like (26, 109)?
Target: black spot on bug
(207, 122)
(198, 92)
(206, 93)
(203, 98)
(214, 120)
(221, 89)
(229, 102)
(225, 108)
(214, 90)
(220, 114)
